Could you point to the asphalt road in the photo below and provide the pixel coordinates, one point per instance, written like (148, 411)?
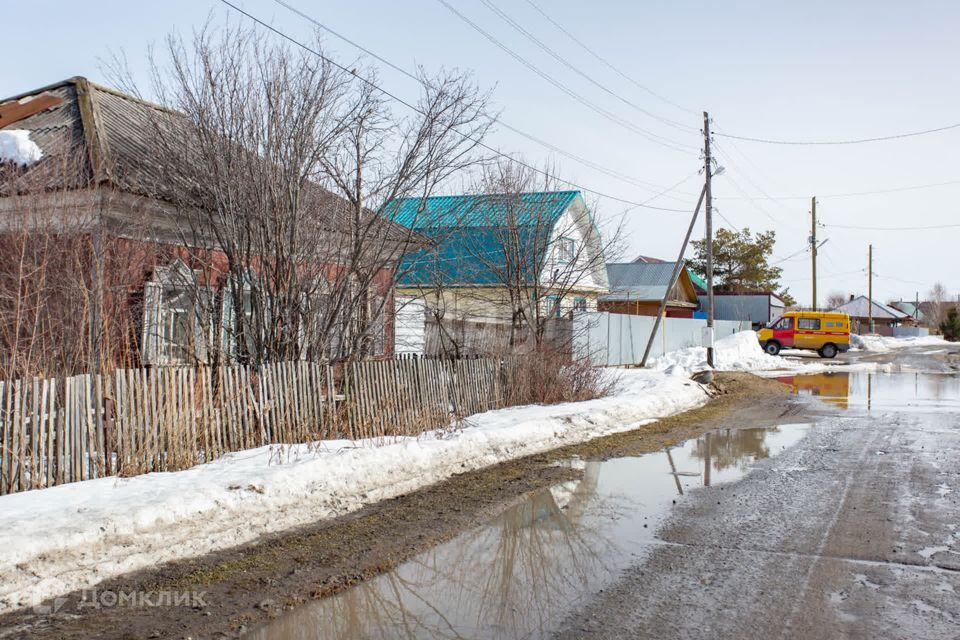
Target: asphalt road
(854, 532)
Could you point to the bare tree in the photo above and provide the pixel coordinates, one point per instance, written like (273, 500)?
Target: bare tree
(938, 305)
(835, 299)
(540, 262)
(283, 167)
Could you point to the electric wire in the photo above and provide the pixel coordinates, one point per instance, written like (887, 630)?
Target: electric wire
(649, 135)
(613, 173)
(589, 78)
(606, 62)
(413, 107)
(897, 136)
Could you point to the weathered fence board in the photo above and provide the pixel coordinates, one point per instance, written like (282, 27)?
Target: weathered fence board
(59, 430)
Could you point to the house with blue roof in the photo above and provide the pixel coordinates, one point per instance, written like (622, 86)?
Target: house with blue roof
(498, 259)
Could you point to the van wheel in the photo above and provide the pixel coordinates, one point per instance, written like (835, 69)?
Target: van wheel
(828, 350)
(772, 347)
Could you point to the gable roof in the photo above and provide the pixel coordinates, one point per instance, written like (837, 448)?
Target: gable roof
(468, 231)
(538, 208)
(646, 281)
(109, 133)
(859, 307)
(909, 308)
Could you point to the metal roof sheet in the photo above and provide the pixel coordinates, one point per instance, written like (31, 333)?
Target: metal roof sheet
(859, 307)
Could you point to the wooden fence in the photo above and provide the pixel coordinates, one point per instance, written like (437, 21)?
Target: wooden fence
(59, 430)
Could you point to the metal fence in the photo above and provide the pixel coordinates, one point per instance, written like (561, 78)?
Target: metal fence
(59, 430)
(611, 339)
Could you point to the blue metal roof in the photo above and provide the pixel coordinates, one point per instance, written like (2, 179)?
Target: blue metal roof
(470, 232)
(486, 210)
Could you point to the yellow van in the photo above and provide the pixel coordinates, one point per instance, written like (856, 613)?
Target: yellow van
(820, 331)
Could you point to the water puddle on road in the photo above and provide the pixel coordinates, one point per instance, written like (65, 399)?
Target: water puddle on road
(527, 569)
(881, 391)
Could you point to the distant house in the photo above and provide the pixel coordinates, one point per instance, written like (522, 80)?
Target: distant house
(885, 317)
(912, 309)
(637, 288)
(758, 308)
(489, 248)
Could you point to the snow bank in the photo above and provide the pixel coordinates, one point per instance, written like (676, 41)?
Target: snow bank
(56, 540)
(739, 352)
(16, 146)
(882, 344)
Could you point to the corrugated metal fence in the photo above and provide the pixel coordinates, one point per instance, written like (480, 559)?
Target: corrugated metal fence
(59, 430)
(616, 339)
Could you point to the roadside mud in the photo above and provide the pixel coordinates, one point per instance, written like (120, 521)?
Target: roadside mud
(232, 591)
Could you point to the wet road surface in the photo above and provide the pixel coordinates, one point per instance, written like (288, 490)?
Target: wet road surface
(841, 522)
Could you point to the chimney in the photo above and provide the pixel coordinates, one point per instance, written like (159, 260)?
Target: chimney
(851, 297)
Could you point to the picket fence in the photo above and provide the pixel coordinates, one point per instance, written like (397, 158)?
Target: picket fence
(59, 430)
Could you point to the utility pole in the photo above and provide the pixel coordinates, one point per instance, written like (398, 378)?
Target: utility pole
(870, 287)
(813, 246)
(708, 196)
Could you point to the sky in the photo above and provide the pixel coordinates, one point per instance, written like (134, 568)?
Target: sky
(811, 71)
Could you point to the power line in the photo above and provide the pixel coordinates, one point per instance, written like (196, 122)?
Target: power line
(865, 228)
(413, 107)
(841, 142)
(607, 62)
(649, 135)
(613, 173)
(850, 194)
(589, 78)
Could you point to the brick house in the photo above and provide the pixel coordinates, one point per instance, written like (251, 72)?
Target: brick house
(96, 185)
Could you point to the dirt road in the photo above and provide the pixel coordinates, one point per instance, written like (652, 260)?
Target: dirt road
(852, 533)
(244, 587)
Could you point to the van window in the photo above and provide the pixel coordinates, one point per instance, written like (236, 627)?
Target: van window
(784, 323)
(809, 324)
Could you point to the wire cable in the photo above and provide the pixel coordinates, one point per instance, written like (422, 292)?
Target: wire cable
(897, 136)
(867, 228)
(613, 173)
(416, 109)
(589, 78)
(606, 62)
(649, 135)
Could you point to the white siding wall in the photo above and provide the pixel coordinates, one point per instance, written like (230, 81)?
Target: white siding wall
(410, 317)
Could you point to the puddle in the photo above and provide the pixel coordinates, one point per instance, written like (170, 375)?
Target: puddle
(881, 391)
(521, 573)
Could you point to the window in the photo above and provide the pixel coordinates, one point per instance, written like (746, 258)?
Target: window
(176, 318)
(553, 306)
(808, 324)
(579, 304)
(566, 250)
(784, 323)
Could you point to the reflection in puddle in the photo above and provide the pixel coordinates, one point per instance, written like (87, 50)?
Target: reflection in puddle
(923, 391)
(527, 569)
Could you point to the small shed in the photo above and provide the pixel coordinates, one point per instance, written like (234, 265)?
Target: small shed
(637, 288)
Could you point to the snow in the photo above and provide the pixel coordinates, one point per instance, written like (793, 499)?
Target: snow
(72, 536)
(739, 352)
(16, 146)
(881, 344)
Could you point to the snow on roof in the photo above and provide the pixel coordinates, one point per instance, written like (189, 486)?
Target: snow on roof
(859, 308)
(16, 146)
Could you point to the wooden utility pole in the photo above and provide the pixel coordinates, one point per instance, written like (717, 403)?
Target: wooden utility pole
(708, 196)
(813, 246)
(870, 287)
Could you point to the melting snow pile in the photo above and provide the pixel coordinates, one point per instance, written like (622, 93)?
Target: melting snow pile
(16, 146)
(56, 540)
(881, 344)
(739, 352)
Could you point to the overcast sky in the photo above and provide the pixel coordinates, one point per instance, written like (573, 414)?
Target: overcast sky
(811, 71)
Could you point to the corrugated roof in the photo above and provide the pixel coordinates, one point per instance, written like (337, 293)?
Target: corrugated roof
(859, 307)
(470, 232)
(485, 210)
(639, 280)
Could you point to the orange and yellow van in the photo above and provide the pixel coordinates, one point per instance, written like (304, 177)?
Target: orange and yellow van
(827, 333)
